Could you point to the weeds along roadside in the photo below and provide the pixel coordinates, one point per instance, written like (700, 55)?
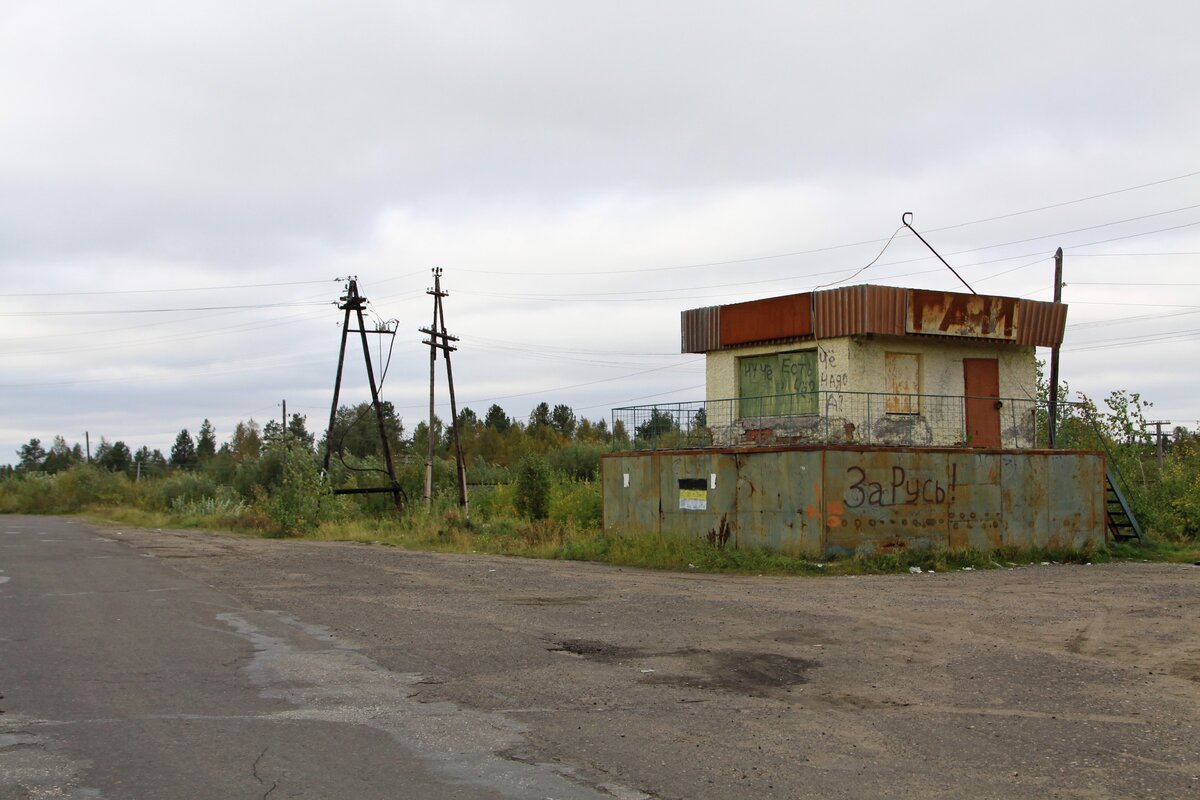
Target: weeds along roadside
(298, 505)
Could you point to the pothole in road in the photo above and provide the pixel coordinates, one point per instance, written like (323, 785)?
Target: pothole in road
(599, 651)
(735, 671)
(569, 600)
(741, 672)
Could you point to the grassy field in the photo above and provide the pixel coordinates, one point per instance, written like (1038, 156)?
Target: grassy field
(570, 528)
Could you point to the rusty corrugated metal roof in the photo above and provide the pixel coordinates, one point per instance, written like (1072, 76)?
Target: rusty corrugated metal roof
(760, 320)
(700, 330)
(851, 310)
(1042, 324)
(867, 308)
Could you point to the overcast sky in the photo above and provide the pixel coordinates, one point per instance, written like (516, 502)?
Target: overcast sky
(183, 183)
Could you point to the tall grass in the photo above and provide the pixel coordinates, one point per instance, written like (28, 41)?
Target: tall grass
(571, 531)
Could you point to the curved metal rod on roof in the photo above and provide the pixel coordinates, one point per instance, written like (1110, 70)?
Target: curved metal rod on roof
(906, 218)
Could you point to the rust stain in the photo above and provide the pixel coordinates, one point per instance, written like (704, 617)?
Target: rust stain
(868, 308)
(902, 374)
(874, 498)
(957, 314)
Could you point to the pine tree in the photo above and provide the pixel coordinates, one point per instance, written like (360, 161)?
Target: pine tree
(206, 443)
(183, 452)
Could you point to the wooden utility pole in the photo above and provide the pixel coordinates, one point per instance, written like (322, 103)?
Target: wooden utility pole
(436, 291)
(440, 339)
(1158, 435)
(1053, 422)
(352, 301)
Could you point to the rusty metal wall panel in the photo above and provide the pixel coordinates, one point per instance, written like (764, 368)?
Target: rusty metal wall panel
(1042, 324)
(975, 502)
(840, 501)
(777, 502)
(631, 493)
(1024, 483)
(1075, 501)
(879, 501)
(688, 487)
(700, 330)
(775, 318)
(956, 314)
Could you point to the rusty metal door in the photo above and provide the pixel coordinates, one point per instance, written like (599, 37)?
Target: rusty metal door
(981, 387)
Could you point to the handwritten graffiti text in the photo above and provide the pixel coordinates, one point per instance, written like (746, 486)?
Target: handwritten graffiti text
(900, 489)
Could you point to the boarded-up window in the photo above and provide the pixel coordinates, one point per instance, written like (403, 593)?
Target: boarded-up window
(903, 372)
(777, 385)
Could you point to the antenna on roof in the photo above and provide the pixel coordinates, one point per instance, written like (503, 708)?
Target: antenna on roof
(906, 218)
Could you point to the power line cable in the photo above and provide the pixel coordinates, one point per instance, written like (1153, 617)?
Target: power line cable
(838, 246)
(154, 310)
(480, 400)
(166, 291)
(628, 295)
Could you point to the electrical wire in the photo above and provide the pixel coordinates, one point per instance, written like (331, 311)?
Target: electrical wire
(812, 296)
(166, 291)
(307, 360)
(848, 244)
(290, 320)
(1121, 320)
(257, 306)
(1136, 341)
(481, 400)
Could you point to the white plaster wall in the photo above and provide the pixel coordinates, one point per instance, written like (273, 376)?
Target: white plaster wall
(832, 360)
(942, 364)
(856, 364)
(852, 375)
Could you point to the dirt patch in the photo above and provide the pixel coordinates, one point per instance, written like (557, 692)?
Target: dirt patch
(741, 672)
(599, 651)
(735, 671)
(552, 601)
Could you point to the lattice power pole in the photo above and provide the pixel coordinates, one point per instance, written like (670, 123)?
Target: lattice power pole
(439, 339)
(353, 302)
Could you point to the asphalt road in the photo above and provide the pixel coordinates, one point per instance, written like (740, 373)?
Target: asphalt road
(151, 664)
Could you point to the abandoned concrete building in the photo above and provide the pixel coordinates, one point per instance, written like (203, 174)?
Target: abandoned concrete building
(860, 419)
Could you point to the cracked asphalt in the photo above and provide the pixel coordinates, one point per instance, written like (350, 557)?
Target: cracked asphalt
(150, 664)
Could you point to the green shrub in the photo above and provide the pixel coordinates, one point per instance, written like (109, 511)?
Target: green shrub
(293, 503)
(533, 487)
(577, 461)
(577, 501)
(493, 502)
(183, 488)
(68, 492)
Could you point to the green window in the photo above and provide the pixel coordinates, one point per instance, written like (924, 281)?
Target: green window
(779, 384)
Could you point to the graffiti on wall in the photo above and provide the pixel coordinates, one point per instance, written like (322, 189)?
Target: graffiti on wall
(834, 380)
(900, 488)
(894, 496)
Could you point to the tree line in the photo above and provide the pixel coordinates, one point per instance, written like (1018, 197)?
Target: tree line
(491, 445)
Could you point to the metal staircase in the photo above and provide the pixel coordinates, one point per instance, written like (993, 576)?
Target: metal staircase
(1122, 524)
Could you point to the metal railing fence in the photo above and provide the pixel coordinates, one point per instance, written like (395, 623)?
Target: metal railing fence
(828, 417)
